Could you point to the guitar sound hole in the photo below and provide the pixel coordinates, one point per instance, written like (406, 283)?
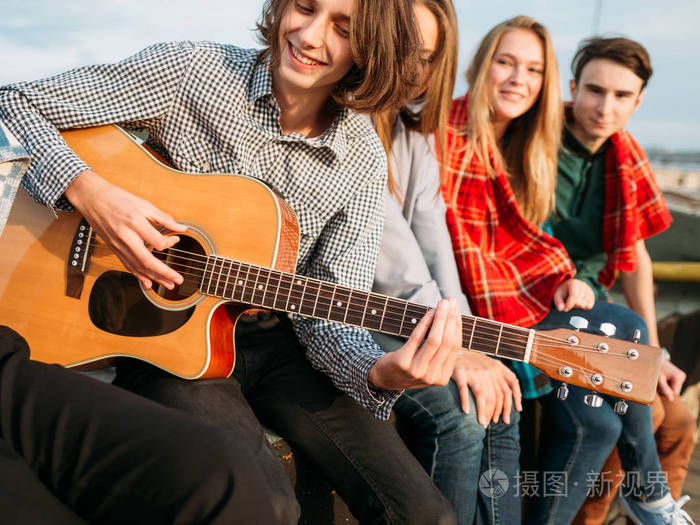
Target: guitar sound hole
(117, 305)
(188, 259)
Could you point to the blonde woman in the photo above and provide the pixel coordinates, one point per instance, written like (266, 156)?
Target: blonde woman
(500, 172)
(462, 430)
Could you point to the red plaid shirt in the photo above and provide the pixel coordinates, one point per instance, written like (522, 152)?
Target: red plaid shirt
(509, 267)
(634, 206)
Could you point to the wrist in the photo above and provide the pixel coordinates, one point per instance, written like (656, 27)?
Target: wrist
(79, 185)
(665, 355)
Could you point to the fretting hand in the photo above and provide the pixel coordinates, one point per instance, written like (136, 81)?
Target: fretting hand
(428, 356)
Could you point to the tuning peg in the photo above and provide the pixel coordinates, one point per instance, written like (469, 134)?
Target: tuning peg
(562, 392)
(608, 329)
(621, 407)
(593, 400)
(578, 322)
(636, 335)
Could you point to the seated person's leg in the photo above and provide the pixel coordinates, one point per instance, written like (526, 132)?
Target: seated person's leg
(577, 440)
(597, 504)
(362, 457)
(24, 498)
(221, 403)
(675, 441)
(499, 498)
(446, 441)
(113, 457)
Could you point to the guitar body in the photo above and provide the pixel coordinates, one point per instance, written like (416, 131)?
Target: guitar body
(81, 318)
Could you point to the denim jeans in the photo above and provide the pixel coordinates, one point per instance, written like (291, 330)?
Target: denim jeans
(579, 438)
(475, 468)
(362, 458)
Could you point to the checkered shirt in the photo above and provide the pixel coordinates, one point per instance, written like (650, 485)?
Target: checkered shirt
(210, 108)
(508, 267)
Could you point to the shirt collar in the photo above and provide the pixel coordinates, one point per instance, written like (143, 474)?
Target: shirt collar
(345, 126)
(570, 142)
(260, 82)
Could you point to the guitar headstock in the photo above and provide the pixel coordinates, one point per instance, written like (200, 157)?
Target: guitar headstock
(599, 363)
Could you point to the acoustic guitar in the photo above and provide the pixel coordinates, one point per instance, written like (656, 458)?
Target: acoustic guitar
(74, 302)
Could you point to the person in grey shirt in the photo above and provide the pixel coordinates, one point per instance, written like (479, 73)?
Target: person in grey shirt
(454, 442)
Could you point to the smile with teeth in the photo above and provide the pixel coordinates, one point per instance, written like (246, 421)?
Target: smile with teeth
(304, 60)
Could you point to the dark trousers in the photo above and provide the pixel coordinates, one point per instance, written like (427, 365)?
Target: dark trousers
(75, 450)
(362, 457)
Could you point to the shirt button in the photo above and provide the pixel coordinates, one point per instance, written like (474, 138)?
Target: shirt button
(205, 166)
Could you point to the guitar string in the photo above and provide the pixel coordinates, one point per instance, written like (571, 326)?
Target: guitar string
(485, 338)
(485, 334)
(394, 314)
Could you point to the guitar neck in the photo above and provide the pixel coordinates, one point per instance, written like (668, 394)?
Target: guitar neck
(267, 288)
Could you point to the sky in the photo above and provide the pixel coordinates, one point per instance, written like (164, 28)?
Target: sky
(39, 38)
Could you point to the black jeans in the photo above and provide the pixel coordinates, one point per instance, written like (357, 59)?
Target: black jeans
(75, 450)
(362, 458)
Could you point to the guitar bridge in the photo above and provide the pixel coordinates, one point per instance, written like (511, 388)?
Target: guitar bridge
(78, 260)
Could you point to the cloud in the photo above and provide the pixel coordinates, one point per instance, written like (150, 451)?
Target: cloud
(40, 38)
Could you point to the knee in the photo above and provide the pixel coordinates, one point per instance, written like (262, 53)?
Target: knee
(228, 485)
(604, 432)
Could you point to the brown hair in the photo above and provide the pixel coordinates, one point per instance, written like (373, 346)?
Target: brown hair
(530, 156)
(432, 118)
(624, 51)
(384, 47)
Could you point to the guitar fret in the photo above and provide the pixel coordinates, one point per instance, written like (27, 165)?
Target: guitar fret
(281, 301)
(259, 288)
(330, 303)
(318, 303)
(302, 297)
(381, 325)
(207, 268)
(498, 342)
(245, 298)
(226, 283)
(471, 336)
(414, 313)
(482, 342)
(373, 318)
(218, 276)
(271, 274)
(238, 284)
(392, 319)
(339, 304)
(514, 343)
(356, 310)
(403, 320)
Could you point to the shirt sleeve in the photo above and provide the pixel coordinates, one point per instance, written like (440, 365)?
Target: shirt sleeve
(136, 92)
(346, 253)
(430, 227)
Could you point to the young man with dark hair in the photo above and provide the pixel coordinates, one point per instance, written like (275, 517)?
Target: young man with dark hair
(607, 203)
(287, 117)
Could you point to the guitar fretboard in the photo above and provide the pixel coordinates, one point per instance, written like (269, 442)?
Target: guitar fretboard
(267, 288)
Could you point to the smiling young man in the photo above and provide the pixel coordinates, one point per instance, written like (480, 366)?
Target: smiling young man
(287, 116)
(607, 203)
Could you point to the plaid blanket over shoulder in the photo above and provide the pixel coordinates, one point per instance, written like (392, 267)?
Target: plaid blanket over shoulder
(634, 206)
(509, 267)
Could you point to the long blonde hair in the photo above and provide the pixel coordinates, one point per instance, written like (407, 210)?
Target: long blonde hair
(530, 156)
(432, 117)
